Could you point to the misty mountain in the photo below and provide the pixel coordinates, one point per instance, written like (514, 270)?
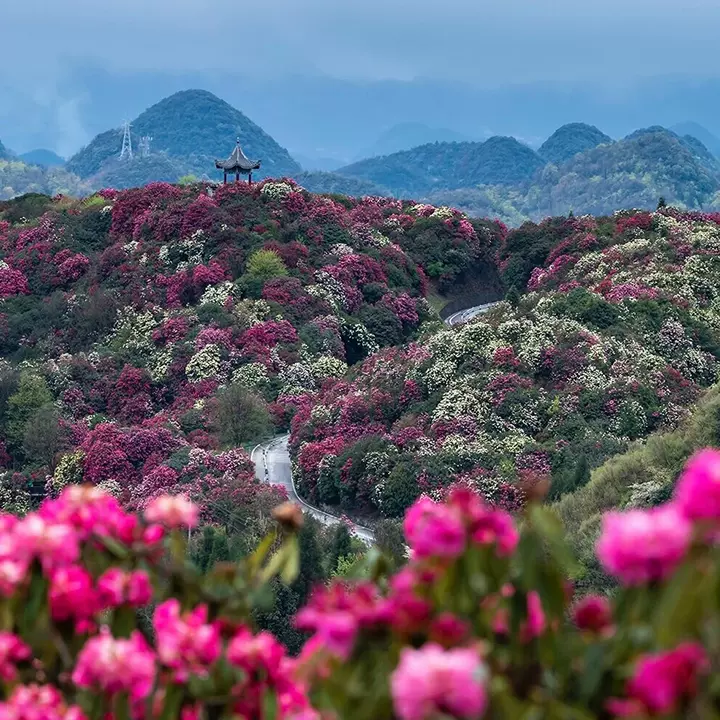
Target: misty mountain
(569, 140)
(438, 166)
(630, 173)
(405, 136)
(5, 154)
(191, 128)
(708, 139)
(42, 157)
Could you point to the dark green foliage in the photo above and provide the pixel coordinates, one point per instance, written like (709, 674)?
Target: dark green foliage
(31, 395)
(29, 206)
(499, 160)
(330, 182)
(341, 546)
(513, 296)
(586, 307)
(382, 323)
(311, 565)
(569, 140)
(239, 416)
(390, 539)
(42, 436)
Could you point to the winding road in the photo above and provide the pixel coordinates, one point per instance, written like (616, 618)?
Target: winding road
(272, 459)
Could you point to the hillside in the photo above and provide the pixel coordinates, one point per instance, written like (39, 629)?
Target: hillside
(19, 178)
(5, 154)
(616, 338)
(405, 136)
(193, 128)
(499, 160)
(633, 172)
(693, 129)
(332, 182)
(148, 334)
(42, 157)
(569, 140)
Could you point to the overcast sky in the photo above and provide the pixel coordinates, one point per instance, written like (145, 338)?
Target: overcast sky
(485, 41)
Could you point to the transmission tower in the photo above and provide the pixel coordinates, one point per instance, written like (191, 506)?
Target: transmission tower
(145, 141)
(126, 151)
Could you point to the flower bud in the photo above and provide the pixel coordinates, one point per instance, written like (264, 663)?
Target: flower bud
(289, 515)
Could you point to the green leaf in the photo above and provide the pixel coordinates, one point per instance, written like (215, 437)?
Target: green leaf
(291, 567)
(256, 560)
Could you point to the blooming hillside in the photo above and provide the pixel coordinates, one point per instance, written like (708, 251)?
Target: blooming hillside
(147, 334)
(616, 337)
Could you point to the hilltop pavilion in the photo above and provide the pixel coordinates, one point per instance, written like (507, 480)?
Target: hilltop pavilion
(237, 163)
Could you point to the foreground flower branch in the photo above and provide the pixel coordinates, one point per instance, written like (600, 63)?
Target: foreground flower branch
(103, 616)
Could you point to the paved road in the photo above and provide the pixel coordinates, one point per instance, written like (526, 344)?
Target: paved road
(463, 316)
(272, 465)
(272, 459)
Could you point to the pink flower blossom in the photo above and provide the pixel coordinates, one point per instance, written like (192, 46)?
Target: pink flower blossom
(534, 625)
(186, 642)
(173, 511)
(116, 587)
(640, 546)
(697, 492)
(38, 702)
(12, 651)
(661, 681)
(434, 529)
(431, 681)
(116, 665)
(72, 594)
(593, 613)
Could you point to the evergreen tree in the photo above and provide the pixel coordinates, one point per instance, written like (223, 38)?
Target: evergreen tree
(311, 568)
(31, 395)
(513, 296)
(389, 538)
(220, 550)
(341, 546)
(661, 203)
(203, 552)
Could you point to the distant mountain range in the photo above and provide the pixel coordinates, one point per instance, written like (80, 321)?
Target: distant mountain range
(42, 157)
(578, 168)
(630, 173)
(405, 136)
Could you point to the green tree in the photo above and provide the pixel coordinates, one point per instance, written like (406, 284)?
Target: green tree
(513, 296)
(311, 567)
(239, 416)
(31, 395)
(341, 546)
(661, 203)
(265, 265)
(389, 538)
(43, 436)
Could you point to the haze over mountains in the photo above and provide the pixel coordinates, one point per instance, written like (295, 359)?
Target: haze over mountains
(578, 168)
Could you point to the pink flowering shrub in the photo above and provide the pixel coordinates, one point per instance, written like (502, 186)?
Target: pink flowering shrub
(480, 623)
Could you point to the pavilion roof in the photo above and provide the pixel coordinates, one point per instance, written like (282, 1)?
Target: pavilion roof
(237, 162)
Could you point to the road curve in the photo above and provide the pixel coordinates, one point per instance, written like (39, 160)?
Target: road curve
(463, 316)
(272, 465)
(272, 459)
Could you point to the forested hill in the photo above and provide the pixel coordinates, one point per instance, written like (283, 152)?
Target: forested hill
(569, 140)
(147, 335)
(189, 129)
(499, 160)
(633, 172)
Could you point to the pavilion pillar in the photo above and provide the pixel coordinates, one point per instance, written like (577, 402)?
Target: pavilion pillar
(225, 178)
(237, 177)
(250, 178)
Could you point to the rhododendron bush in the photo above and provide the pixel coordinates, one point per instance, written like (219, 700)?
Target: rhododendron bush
(102, 615)
(616, 339)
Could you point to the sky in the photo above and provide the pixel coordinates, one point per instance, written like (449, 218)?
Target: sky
(484, 41)
(48, 47)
